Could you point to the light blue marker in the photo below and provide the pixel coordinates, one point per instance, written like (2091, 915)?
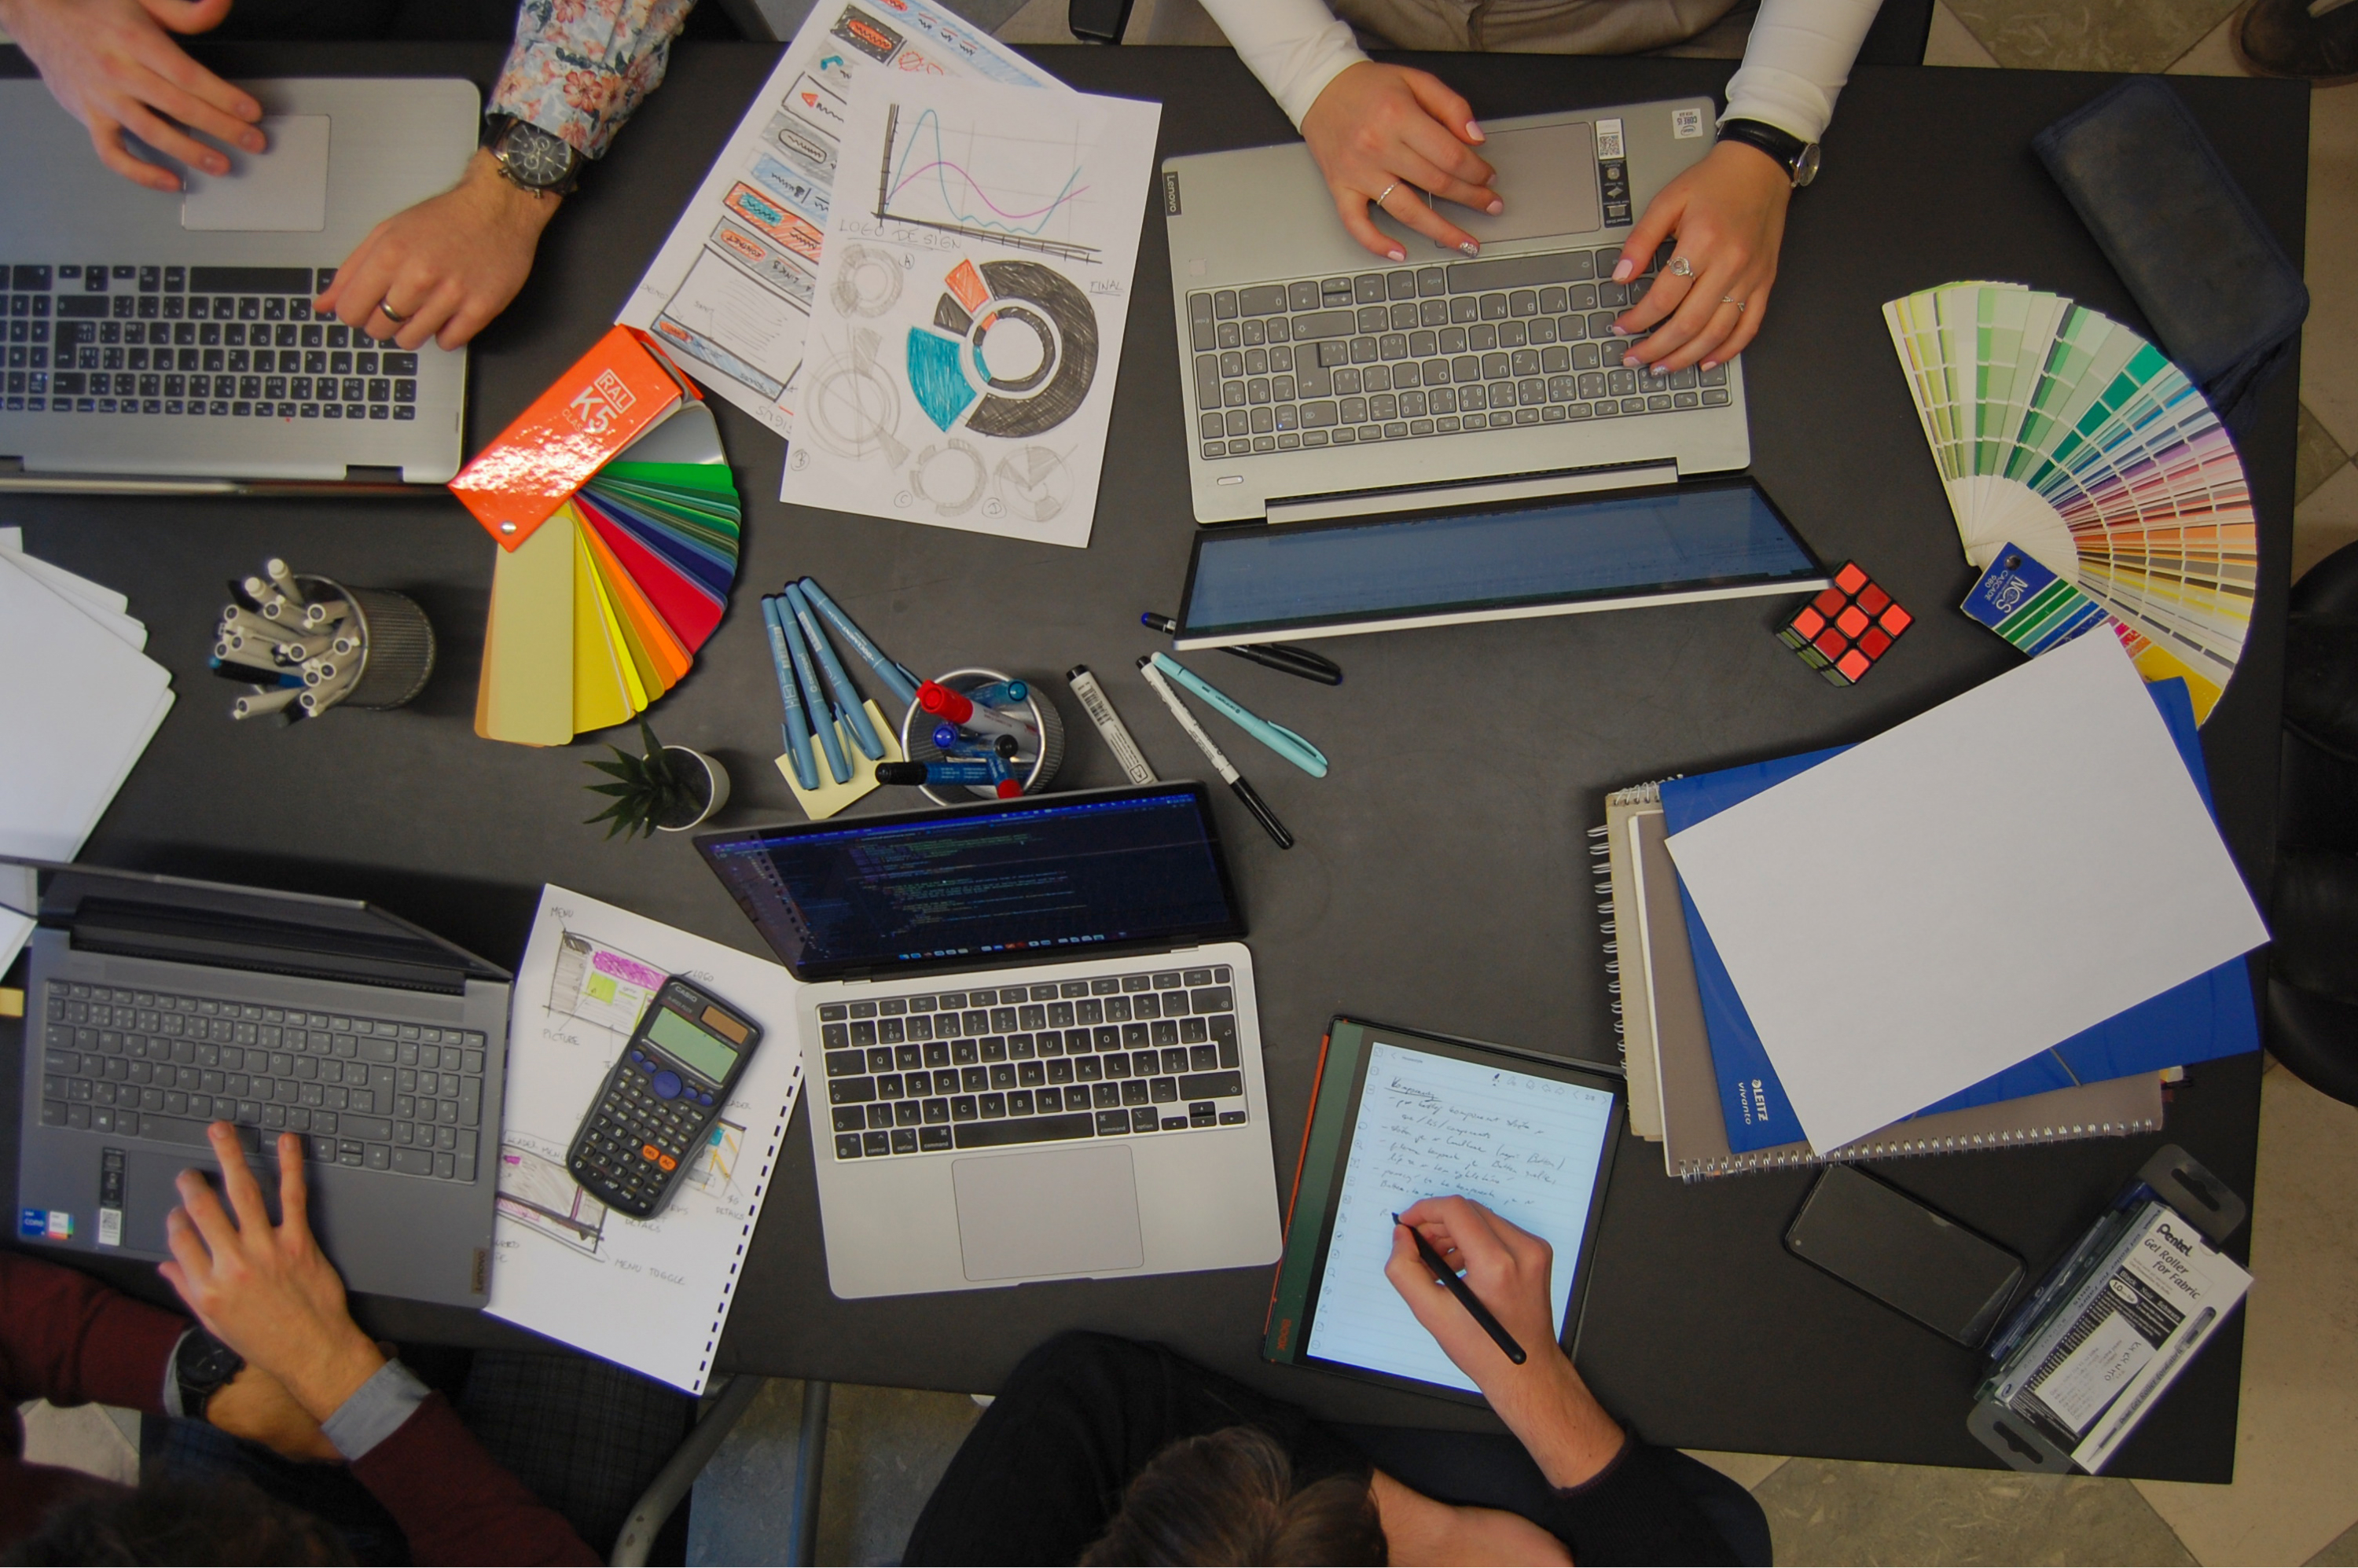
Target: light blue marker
(846, 696)
(796, 729)
(1276, 737)
(814, 696)
(999, 694)
(899, 681)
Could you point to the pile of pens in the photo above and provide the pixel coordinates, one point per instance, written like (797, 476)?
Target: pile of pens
(988, 735)
(819, 698)
(300, 656)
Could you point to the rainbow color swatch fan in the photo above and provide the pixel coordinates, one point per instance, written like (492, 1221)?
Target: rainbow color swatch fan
(2060, 431)
(600, 610)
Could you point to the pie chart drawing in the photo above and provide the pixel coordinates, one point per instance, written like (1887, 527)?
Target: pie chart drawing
(1031, 319)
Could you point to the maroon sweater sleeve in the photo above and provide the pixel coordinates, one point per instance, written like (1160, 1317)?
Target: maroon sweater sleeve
(456, 1503)
(65, 1338)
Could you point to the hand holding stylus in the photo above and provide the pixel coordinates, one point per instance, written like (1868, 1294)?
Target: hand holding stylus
(1542, 1400)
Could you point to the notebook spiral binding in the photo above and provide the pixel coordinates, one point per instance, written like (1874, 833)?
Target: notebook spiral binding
(1872, 1148)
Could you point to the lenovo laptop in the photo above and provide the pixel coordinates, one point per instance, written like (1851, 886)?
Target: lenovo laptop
(156, 1006)
(1030, 1038)
(164, 340)
(1322, 383)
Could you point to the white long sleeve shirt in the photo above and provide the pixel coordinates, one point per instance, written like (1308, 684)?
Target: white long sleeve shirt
(1798, 59)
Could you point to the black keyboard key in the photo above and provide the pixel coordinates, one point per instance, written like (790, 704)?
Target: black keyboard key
(1224, 1036)
(31, 279)
(930, 1139)
(1212, 1086)
(851, 1091)
(850, 1119)
(250, 280)
(876, 1144)
(905, 1141)
(1033, 1129)
(1112, 1123)
(1145, 1120)
(414, 1162)
(846, 1146)
(1213, 999)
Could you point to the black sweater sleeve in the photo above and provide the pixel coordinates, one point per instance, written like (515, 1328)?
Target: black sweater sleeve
(1636, 1511)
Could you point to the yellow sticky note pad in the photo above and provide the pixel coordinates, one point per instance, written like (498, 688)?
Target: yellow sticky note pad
(830, 796)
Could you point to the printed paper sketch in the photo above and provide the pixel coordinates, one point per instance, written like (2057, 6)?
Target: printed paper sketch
(992, 268)
(762, 209)
(536, 1191)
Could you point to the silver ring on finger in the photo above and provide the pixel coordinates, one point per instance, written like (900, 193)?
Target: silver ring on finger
(1682, 267)
(1388, 192)
(385, 309)
(1731, 299)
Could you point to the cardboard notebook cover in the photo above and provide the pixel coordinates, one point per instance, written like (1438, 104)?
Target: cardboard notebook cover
(620, 389)
(1655, 955)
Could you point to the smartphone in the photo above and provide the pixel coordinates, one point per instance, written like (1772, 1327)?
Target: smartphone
(1874, 1237)
(665, 1092)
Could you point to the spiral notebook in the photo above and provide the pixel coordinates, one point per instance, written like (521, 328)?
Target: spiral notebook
(1661, 1020)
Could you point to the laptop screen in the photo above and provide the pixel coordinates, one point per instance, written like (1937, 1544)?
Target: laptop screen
(1684, 540)
(1028, 877)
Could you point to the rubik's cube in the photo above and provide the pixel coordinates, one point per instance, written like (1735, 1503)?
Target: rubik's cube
(1845, 629)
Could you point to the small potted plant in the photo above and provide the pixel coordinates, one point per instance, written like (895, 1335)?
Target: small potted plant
(672, 788)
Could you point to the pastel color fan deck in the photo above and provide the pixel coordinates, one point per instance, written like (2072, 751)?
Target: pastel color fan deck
(2061, 434)
(1842, 632)
(600, 611)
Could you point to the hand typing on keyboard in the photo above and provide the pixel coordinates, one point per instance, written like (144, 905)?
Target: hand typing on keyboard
(1726, 215)
(266, 1290)
(113, 67)
(1382, 133)
(446, 267)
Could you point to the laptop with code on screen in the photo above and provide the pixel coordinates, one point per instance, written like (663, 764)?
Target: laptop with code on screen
(1322, 382)
(1037, 1035)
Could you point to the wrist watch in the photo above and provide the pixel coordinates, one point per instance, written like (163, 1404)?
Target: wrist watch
(533, 159)
(1800, 157)
(202, 1365)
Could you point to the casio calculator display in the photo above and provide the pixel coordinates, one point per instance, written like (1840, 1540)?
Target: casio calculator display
(660, 1100)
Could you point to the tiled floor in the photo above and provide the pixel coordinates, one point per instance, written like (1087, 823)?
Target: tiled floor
(2295, 1496)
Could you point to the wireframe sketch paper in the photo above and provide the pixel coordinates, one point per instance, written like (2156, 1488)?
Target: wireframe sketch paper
(1433, 1125)
(970, 306)
(731, 292)
(2038, 860)
(651, 1295)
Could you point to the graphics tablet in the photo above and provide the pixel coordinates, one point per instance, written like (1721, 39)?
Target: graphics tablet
(1397, 1115)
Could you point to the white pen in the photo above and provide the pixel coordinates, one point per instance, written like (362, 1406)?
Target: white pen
(1101, 709)
(284, 579)
(1220, 763)
(263, 702)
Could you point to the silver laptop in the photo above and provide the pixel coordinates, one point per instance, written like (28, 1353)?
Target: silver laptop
(1322, 383)
(1029, 1052)
(162, 340)
(156, 1006)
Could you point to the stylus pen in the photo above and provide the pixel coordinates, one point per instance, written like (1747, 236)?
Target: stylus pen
(814, 699)
(1446, 1275)
(1272, 655)
(897, 680)
(1220, 763)
(798, 746)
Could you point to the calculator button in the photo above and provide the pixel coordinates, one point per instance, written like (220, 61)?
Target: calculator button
(649, 1152)
(666, 1161)
(666, 1085)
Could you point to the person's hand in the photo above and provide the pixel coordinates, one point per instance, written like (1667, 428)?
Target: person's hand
(1729, 213)
(1384, 134)
(445, 268)
(114, 67)
(255, 1406)
(266, 1290)
(1544, 1401)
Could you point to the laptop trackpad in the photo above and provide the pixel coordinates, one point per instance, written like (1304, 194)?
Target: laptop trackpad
(1060, 1211)
(283, 190)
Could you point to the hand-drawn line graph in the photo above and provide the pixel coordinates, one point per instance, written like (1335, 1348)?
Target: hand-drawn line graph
(1033, 185)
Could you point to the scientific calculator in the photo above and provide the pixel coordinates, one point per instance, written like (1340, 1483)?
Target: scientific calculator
(649, 1120)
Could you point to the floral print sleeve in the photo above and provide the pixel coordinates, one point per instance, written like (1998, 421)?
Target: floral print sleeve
(579, 68)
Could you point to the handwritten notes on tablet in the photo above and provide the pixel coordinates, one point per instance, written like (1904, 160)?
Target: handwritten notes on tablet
(1430, 1126)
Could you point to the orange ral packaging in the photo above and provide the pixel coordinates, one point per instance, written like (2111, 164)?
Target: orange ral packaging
(614, 395)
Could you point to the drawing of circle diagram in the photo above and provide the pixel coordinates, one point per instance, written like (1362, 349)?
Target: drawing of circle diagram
(867, 281)
(1033, 340)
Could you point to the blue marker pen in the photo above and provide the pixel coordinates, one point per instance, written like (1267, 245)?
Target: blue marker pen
(846, 696)
(899, 681)
(797, 728)
(1274, 736)
(999, 694)
(959, 745)
(977, 774)
(815, 697)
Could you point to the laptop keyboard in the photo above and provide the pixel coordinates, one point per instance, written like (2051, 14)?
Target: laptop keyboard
(1108, 1057)
(371, 1093)
(1430, 350)
(175, 341)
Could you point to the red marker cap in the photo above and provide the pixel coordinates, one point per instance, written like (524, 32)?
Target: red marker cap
(943, 703)
(1008, 789)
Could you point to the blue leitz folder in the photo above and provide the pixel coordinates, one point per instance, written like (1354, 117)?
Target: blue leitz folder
(2210, 1016)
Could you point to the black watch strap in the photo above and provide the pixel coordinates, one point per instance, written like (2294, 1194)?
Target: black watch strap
(202, 1365)
(533, 159)
(1800, 157)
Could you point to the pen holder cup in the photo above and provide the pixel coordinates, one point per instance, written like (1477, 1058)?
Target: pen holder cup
(397, 642)
(917, 740)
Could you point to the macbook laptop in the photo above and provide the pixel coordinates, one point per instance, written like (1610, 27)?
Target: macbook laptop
(156, 1006)
(1323, 383)
(1030, 1038)
(166, 341)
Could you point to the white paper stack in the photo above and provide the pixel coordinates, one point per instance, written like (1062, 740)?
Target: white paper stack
(78, 702)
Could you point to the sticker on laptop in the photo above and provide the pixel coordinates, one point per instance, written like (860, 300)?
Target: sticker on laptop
(1609, 139)
(1686, 124)
(45, 1225)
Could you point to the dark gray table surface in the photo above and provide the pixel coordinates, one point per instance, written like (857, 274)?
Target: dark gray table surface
(1443, 878)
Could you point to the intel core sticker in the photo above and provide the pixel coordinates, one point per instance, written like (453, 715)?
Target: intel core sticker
(32, 1224)
(1686, 124)
(1608, 140)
